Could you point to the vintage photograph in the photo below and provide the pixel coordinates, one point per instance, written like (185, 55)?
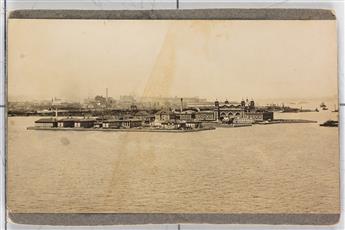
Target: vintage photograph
(172, 116)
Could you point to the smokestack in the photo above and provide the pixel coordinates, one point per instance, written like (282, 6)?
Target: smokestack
(181, 108)
(106, 98)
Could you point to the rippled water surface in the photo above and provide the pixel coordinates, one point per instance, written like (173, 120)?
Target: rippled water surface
(265, 169)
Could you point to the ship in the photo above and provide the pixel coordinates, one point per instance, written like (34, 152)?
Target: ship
(323, 106)
(335, 109)
(330, 123)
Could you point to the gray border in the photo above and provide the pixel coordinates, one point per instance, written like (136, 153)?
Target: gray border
(209, 14)
(77, 219)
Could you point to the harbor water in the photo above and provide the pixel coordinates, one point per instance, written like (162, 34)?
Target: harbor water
(280, 168)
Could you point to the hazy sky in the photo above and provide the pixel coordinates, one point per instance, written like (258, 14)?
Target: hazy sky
(76, 59)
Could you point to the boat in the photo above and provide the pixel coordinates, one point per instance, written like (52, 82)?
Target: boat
(323, 105)
(330, 123)
(290, 110)
(335, 109)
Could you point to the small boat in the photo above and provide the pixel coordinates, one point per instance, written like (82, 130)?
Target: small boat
(330, 123)
(323, 105)
(335, 109)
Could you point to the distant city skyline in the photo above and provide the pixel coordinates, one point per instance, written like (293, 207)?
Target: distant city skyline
(75, 59)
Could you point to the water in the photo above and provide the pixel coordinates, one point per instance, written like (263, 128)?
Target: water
(261, 169)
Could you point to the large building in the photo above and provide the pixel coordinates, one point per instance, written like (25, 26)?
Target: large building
(218, 112)
(229, 111)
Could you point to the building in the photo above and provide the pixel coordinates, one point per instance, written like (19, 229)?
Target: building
(46, 122)
(181, 124)
(164, 115)
(186, 115)
(111, 124)
(206, 115)
(228, 110)
(268, 116)
(146, 117)
(259, 116)
(118, 124)
(67, 122)
(141, 115)
(85, 123)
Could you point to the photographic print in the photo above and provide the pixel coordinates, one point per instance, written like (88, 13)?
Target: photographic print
(179, 117)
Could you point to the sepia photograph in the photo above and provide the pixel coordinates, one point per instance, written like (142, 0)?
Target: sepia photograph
(235, 117)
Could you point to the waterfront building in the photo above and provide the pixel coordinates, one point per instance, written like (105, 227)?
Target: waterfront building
(205, 115)
(228, 110)
(170, 125)
(186, 115)
(268, 115)
(85, 123)
(117, 124)
(67, 122)
(238, 120)
(141, 115)
(146, 117)
(112, 124)
(164, 115)
(46, 122)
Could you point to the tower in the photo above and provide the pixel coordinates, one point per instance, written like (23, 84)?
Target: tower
(252, 104)
(243, 103)
(106, 98)
(216, 104)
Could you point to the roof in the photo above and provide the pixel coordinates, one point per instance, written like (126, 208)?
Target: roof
(126, 120)
(141, 113)
(205, 111)
(164, 112)
(46, 120)
(230, 106)
(86, 120)
(69, 119)
(185, 112)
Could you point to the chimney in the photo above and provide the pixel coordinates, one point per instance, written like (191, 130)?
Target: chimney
(181, 108)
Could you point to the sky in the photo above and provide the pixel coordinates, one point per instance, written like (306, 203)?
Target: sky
(215, 59)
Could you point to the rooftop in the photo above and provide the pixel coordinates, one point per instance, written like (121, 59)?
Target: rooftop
(46, 120)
